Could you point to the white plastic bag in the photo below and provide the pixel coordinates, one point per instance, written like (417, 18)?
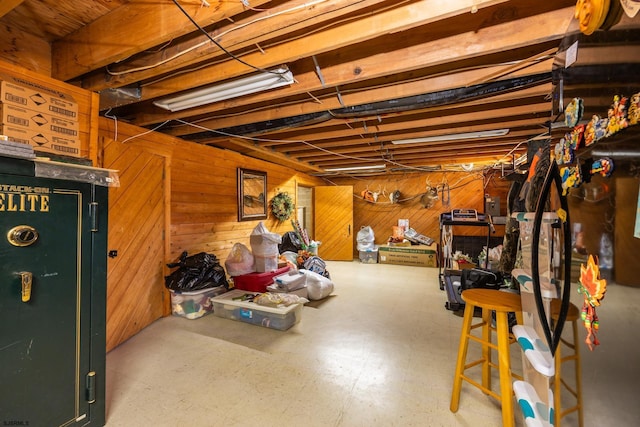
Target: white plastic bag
(263, 242)
(318, 287)
(264, 246)
(365, 238)
(240, 261)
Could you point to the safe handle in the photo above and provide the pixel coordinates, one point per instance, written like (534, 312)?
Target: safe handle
(26, 278)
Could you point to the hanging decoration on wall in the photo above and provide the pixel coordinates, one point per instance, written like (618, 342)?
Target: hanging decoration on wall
(282, 206)
(617, 115)
(430, 197)
(633, 113)
(570, 178)
(592, 288)
(603, 166)
(367, 195)
(394, 197)
(573, 112)
(595, 130)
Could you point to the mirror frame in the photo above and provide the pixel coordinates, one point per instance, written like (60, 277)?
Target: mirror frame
(243, 198)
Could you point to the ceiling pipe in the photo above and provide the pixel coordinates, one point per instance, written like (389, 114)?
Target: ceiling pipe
(617, 151)
(433, 99)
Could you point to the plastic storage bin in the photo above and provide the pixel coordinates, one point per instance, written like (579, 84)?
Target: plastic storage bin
(230, 306)
(370, 256)
(195, 304)
(257, 282)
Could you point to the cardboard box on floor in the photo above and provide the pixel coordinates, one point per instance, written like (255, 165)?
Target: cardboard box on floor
(417, 255)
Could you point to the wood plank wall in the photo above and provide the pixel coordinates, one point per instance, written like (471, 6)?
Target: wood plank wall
(467, 191)
(136, 228)
(200, 214)
(204, 204)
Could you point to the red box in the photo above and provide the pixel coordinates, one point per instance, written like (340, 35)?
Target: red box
(257, 282)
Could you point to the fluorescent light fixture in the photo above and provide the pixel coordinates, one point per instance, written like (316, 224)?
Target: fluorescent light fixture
(356, 168)
(454, 136)
(252, 84)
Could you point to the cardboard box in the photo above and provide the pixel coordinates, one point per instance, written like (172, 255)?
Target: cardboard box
(462, 265)
(418, 255)
(15, 115)
(38, 98)
(42, 141)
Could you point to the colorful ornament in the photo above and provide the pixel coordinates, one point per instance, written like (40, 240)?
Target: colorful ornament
(576, 137)
(593, 289)
(603, 166)
(617, 115)
(570, 178)
(595, 130)
(633, 114)
(558, 151)
(573, 112)
(567, 150)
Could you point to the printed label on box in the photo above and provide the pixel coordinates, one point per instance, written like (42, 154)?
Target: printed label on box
(43, 141)
(419, 255)
(38, 98)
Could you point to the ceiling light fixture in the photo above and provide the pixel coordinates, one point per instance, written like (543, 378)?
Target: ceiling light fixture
(233, 89)
(356, 168)
(454, 136)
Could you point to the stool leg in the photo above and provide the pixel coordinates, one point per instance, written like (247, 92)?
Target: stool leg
(462, 356)
(486, 350)
(557, 386)
(557, 389)
(578, 370)
(504, 366)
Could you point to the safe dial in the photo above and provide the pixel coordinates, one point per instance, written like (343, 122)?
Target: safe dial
(22, 235)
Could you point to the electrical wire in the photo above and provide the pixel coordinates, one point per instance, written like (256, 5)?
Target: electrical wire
(147, 132)
(222, 34)
(251, 138)
(230, 54)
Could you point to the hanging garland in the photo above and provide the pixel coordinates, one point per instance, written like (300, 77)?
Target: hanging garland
(282, 206)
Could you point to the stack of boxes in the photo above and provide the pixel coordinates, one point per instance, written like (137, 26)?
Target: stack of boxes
(43, 118)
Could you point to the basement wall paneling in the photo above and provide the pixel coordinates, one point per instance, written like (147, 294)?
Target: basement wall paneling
(467, 191)
(174, 196)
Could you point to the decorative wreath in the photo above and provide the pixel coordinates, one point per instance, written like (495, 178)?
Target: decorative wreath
(282, 206)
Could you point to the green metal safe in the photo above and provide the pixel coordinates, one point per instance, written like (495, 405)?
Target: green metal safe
(52, 294)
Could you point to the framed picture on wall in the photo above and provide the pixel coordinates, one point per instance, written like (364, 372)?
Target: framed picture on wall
(252, 190)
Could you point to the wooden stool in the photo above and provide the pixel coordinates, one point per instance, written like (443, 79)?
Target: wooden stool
(502, 303)
(573, 315)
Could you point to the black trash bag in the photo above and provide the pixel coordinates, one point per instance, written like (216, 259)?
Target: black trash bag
(195, 272)
(290, 242)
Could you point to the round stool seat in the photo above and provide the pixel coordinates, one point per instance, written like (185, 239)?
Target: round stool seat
(493, 300)
(572, 314)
